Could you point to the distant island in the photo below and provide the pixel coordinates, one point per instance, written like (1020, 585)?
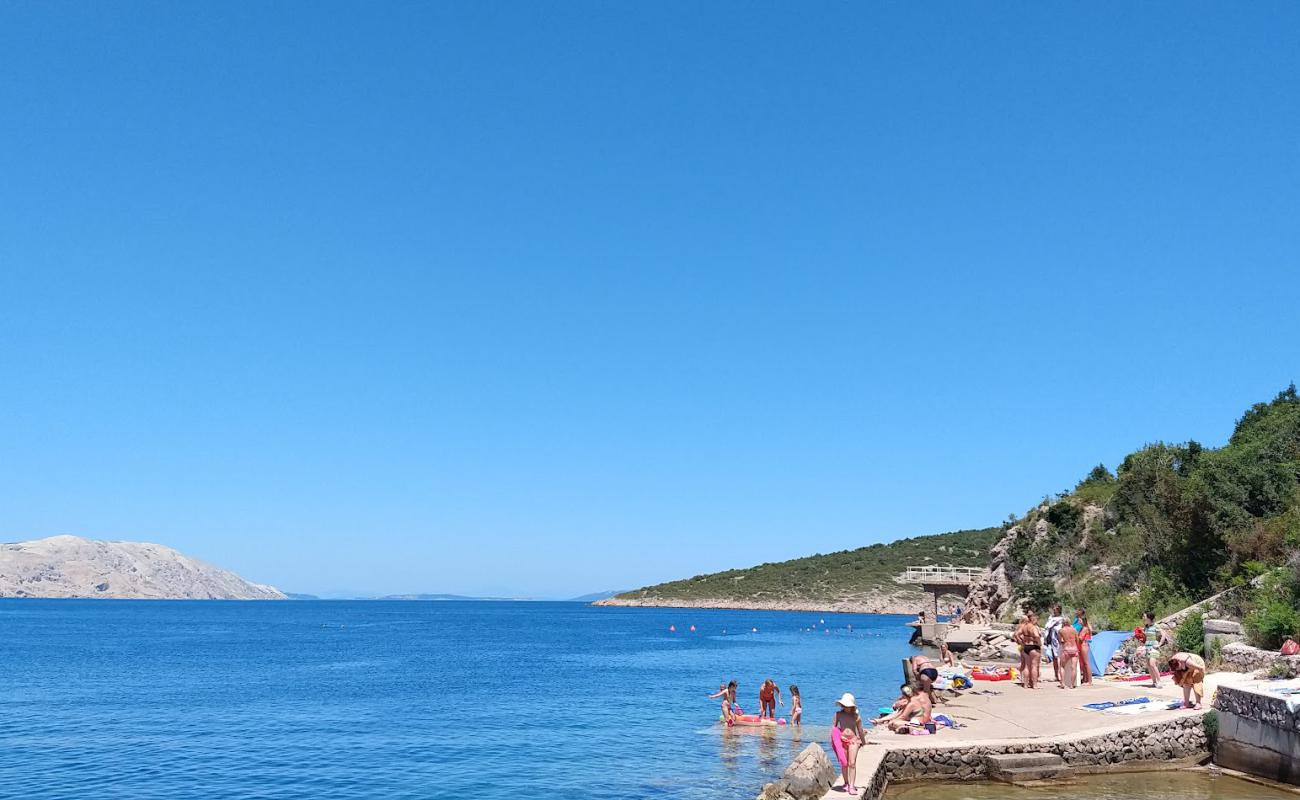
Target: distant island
(72, 566)
(594, 596)
(436, 597)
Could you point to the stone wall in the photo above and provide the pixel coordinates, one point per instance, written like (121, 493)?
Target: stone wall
(1223, 631)
(1244, 658)
(1168, 744)
(1182, 739)
(1258, 734)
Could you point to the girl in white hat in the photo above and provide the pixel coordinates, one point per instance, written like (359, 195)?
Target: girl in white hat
(846, 737)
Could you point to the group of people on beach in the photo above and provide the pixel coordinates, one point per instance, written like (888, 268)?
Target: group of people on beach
(1065, 645)
(769, 696)
(913, 709)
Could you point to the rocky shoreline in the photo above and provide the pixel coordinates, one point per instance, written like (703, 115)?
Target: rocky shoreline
(882, 603)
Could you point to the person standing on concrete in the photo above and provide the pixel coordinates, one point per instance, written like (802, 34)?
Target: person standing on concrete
(1189, 673)
(1068, 654)
(1085, 646)
(1052, 639)
(1154, 637)
(846, 736)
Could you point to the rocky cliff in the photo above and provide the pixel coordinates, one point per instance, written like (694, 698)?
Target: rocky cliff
(70, 566)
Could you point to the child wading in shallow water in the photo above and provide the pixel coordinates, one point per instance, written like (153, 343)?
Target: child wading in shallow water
(796, 706)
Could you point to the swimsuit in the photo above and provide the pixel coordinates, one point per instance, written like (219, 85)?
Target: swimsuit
(931, 673)
(840, 746)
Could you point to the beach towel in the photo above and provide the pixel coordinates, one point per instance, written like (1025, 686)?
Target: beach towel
(1110, 705)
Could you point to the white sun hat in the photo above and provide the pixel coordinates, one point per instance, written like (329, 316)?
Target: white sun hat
(847, 701)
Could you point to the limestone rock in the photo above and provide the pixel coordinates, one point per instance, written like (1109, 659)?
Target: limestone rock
(70, 566)
(808, 777)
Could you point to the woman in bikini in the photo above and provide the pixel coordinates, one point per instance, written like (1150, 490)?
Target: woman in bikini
(919, 704)
(1085, 648)
(922, 665)
(1030, 640)
(1069, 656)
(846, 737)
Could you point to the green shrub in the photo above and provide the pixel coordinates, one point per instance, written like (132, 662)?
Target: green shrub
(1271, 621)
(1189, 636)
(1280, 669)
(1038, 595)
(1211, 723)
(1064, 516)
(1124, 614)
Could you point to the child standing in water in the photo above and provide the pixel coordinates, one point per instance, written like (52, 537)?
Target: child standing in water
(796, 706)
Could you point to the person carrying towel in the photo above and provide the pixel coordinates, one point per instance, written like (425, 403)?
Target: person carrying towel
(1189, 673)
(846, 737)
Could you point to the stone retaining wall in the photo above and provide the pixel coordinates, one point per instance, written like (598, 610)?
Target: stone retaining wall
(1178, 739)
(1258, 734)
(1168, 744)
(1244, 658)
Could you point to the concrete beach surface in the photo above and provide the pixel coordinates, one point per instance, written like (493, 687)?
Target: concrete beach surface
(1023, 735)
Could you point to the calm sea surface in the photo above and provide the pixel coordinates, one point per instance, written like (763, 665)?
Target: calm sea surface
(411, 700)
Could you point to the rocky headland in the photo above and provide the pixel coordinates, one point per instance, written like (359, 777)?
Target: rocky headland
(900, 602)
(71, 566)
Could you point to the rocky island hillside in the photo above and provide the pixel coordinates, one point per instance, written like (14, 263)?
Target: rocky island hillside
(1175, 523)
(862, 580)
(70, 566)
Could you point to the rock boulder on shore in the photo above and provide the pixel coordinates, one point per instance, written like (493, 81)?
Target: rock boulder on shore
(70, 566)
(808, 777)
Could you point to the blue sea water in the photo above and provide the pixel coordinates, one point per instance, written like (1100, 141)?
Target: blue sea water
(350, 700)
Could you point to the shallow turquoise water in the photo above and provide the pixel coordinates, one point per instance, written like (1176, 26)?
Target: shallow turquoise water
(411, 700)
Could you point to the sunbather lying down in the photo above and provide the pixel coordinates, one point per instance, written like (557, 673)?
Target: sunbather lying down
(918, 709)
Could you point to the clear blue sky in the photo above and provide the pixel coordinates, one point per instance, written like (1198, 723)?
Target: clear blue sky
(548, 298)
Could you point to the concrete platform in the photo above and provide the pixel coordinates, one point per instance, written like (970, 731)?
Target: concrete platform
(1015, 716)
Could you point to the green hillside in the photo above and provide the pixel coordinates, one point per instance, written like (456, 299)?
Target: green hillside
(830, 577)
(1176, 523)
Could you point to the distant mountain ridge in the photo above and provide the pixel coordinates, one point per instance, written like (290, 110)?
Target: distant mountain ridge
(594, 596)
(434, 597)
(72, 566)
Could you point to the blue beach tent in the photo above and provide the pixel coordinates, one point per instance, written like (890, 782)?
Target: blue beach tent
(1103, 646)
